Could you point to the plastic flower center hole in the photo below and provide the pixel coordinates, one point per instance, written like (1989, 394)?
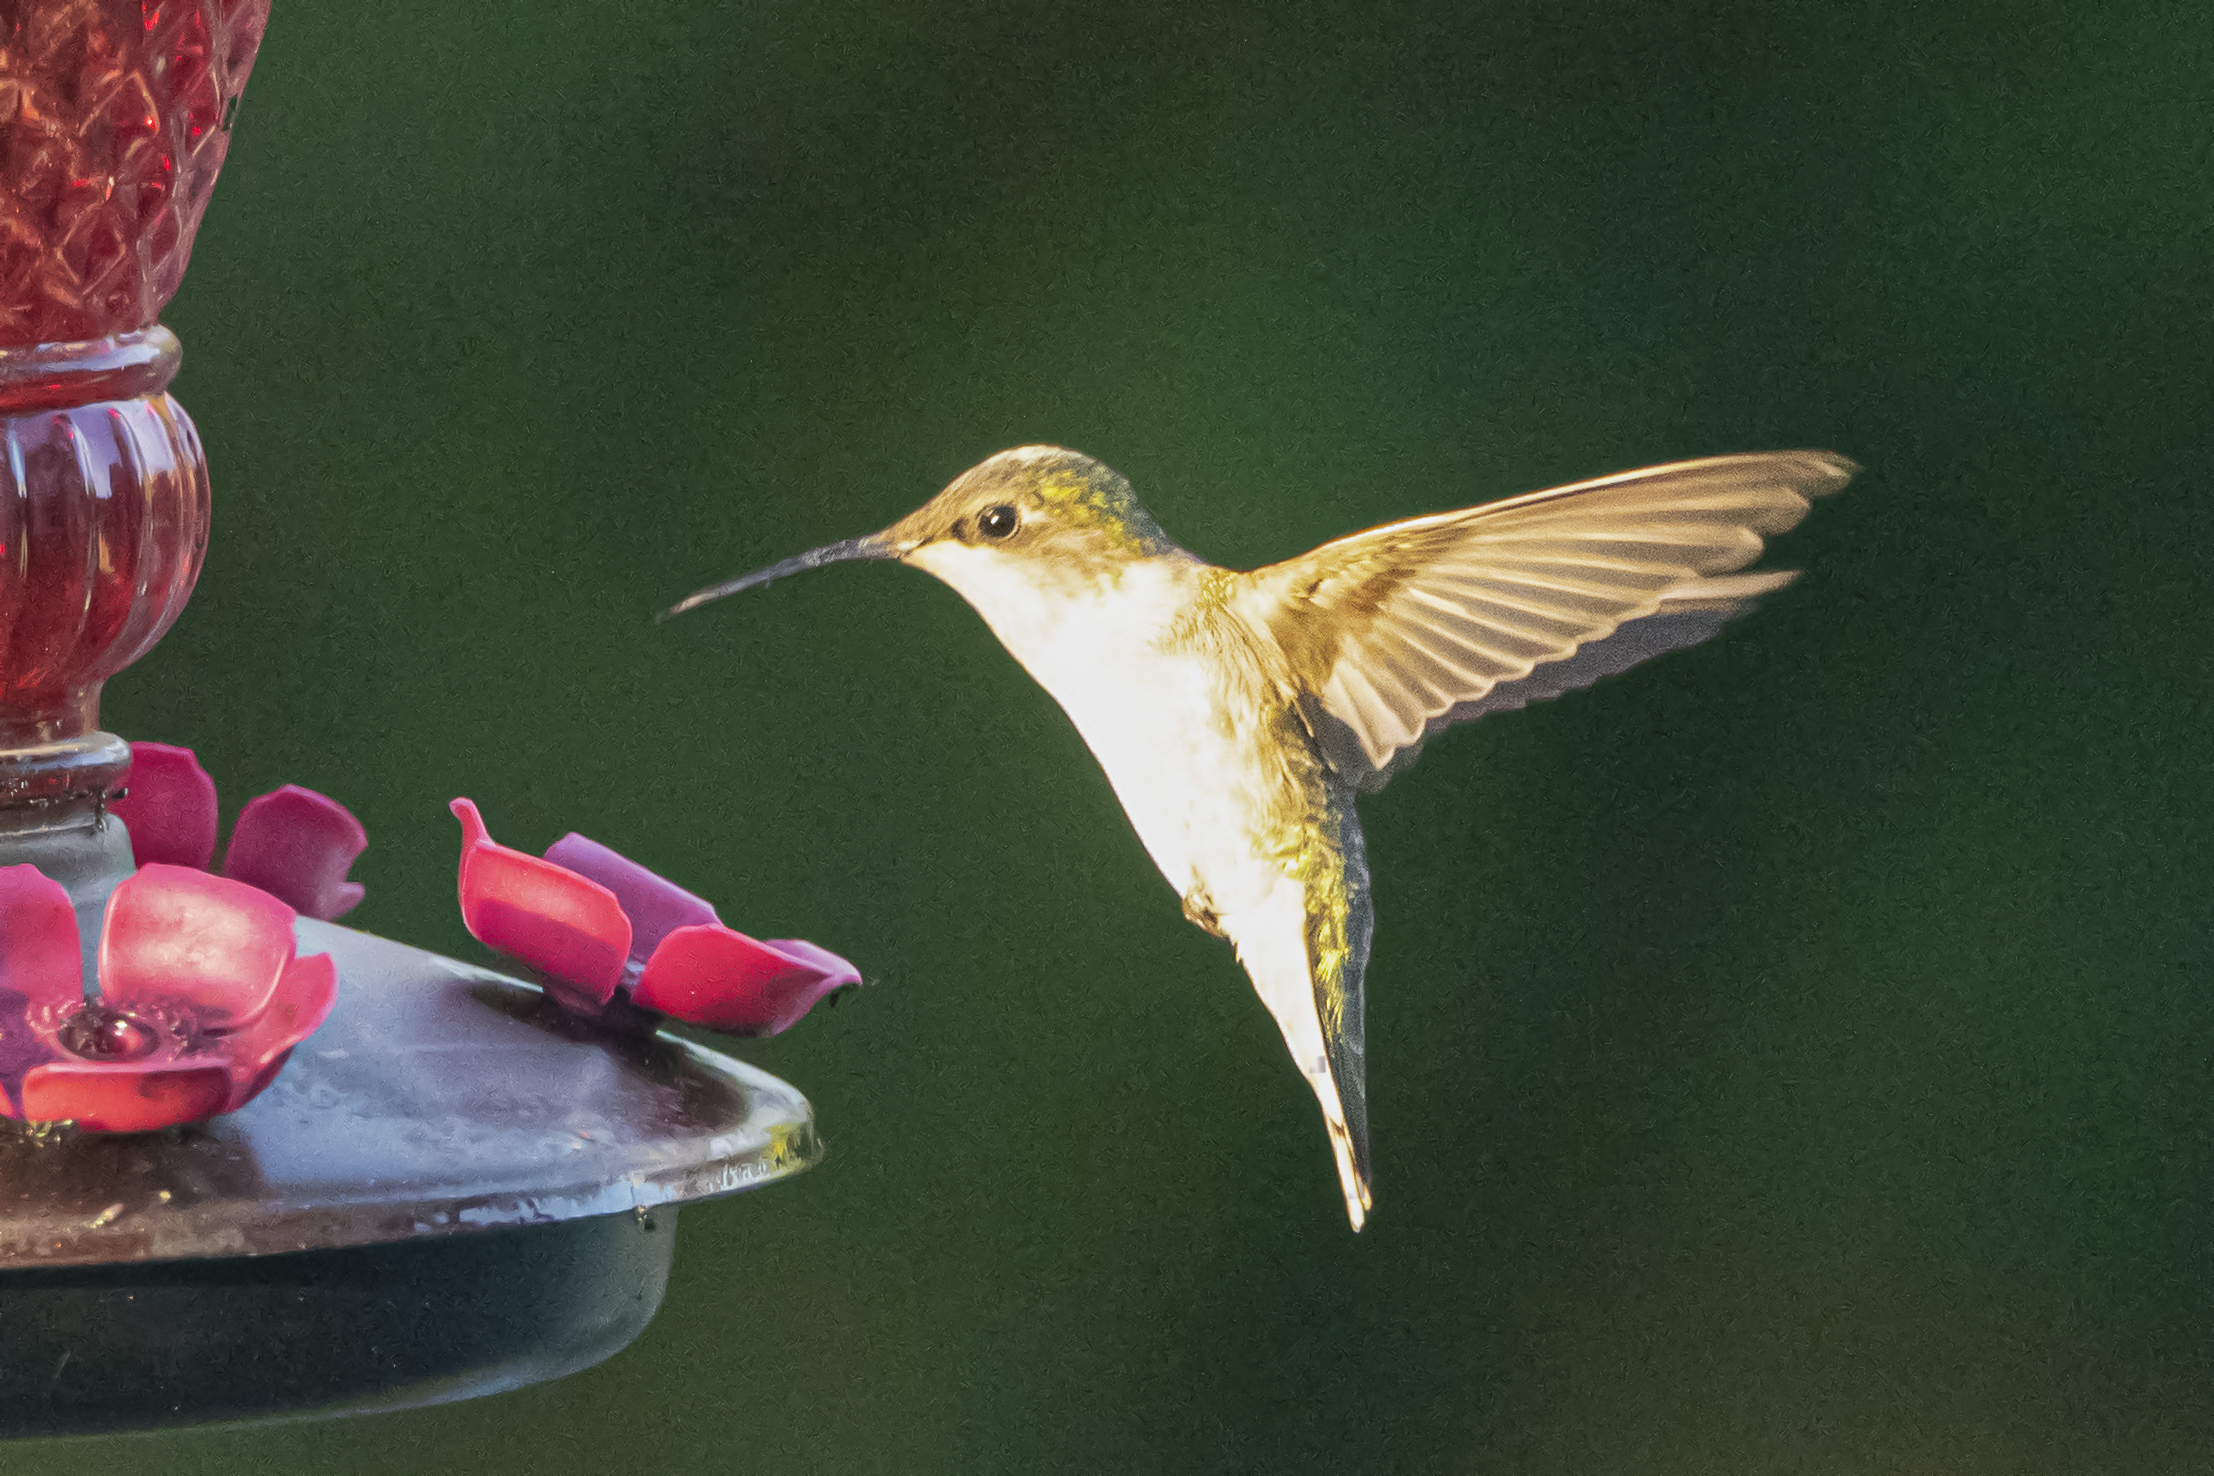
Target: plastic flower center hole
(105, 1035)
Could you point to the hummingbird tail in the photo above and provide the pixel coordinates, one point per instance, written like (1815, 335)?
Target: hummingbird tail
(1352, 1174)
(1306, 950)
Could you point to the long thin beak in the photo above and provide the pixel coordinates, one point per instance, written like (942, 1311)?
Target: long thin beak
(875, 546)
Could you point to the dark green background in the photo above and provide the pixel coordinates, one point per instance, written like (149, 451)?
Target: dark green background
(1791, 1056)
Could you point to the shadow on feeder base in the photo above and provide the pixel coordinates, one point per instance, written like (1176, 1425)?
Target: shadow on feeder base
(92, 1350)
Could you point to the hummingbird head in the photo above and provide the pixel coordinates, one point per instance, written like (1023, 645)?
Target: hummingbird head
(1026, 525)
(1041, 514)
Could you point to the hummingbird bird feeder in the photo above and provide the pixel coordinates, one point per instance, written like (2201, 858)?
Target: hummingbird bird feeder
(255, 1164)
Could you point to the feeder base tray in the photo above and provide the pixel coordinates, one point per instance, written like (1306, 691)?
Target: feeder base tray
(453, 1189)
(139, 1346)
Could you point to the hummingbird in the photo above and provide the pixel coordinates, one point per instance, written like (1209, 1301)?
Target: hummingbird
(1239, 713)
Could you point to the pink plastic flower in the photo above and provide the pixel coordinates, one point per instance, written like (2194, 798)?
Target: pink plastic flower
(201, 1000)
(590, 922)
(292, 843)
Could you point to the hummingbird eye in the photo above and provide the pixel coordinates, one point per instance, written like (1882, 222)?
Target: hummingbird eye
(997, 521)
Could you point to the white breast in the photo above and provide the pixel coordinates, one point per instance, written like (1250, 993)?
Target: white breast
(1151, 713)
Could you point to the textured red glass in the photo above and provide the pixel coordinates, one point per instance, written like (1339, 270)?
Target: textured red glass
(114, 119)
(103, 525)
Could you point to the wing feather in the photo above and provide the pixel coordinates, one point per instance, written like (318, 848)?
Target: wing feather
(1403, 629)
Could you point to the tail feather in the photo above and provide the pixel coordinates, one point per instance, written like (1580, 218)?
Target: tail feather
(1306, 949)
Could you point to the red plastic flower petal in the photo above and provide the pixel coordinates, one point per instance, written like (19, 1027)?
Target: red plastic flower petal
(297, 846)
(40, 957)
(587, 920)
(169, 806)
(292, 843)
(206, 943)
(301, 1004)
(41, 974)
(570, 929)
(722, 979)
(822, 958)
(655, 907)
(201, 1000)
(125, 1096)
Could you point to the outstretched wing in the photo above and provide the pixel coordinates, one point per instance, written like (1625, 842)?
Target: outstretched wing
(1403, 629)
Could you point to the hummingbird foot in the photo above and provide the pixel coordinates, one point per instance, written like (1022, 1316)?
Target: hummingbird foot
(1199, 911)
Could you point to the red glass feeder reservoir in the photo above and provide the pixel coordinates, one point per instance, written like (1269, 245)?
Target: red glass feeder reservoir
(268, 1121)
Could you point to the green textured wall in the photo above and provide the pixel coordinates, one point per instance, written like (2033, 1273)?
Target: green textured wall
(1791, 1056)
